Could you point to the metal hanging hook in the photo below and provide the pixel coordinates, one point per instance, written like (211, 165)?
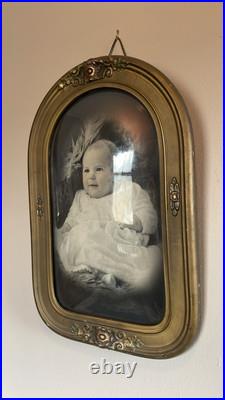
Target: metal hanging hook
(117, 39)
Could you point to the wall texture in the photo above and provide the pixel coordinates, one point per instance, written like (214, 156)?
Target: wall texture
(41, 42)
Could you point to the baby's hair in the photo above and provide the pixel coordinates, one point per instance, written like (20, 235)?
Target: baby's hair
(111, 147)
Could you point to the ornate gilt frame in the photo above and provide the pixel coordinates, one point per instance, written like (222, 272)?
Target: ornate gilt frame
(160, 97)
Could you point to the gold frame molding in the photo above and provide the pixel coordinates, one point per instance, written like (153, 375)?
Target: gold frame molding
(160, 97)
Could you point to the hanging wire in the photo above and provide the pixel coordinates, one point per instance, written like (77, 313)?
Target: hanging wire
(117, 39)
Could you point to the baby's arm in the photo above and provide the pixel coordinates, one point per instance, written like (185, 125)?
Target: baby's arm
(72, 215)
(144, 214)
(136, 226)
(144, 210)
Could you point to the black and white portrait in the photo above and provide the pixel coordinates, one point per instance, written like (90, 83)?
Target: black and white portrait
(105, 187)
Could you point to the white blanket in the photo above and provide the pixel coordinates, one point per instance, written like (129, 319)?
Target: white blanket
(97, 240)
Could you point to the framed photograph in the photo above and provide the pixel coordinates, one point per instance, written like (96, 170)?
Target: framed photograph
(111, 186)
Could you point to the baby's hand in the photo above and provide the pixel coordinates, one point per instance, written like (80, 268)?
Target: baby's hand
(136, 226)
(108, 280)
(65, 228)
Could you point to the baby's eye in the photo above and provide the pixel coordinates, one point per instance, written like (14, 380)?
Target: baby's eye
(85, 170)
(99, 169)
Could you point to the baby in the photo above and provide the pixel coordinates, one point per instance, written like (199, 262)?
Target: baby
(106, 233)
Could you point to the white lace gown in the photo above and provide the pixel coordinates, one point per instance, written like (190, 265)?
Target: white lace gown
(96, 238)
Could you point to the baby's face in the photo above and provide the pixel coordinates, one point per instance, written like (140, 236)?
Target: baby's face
(97, 172)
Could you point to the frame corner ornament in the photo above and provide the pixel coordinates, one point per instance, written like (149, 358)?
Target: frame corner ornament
(174, 195)
(106, 337)
(92, 70)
